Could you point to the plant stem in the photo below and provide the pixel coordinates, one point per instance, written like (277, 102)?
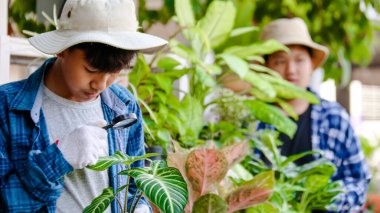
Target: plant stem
(137, 202)
(133, 200)
(126, 192)
(119, 203)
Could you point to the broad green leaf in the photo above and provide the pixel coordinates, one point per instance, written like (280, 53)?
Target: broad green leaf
(314, 183)
(264, 69)
(164, 135)
(191, 115)
(218, 21)
(210, 203)
(263, 208)
(118, 158)
(165, 187)
(236, 64)
(242, 172)
(100, 203)
(243, 30)
(271, 115)
(167, 63)
(287, 90)
(253, 192)
(200, 43)
(295, 157)
(164, 82)
(261, 84)
(139, 71)
(321, 166)
(287, 108)
(265, 48)
(184, 13)
(204, 168)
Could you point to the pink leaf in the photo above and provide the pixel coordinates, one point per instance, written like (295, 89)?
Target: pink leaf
(235, 152)
(204, 168)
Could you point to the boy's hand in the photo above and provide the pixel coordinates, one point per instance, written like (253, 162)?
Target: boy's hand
(85, 144)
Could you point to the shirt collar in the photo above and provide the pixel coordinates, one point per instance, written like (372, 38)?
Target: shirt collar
(30, 96)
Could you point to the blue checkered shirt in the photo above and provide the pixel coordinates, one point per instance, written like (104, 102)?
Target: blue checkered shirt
(31, 169)
(332, 133)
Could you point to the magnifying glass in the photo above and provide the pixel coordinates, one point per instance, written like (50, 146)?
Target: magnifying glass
(122, 121)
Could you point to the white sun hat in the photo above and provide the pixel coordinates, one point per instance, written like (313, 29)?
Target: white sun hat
(111, 22)
(293, 31)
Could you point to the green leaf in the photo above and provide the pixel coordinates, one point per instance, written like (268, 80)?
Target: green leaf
(118, 158)
(262, 208)
(191, 115)
(236, 64)
(164, 135)
(295, 157)
(100, 203)
(271, 115)
(243, 30)
(314, 183)
(167, 63)
(200, 43)
(218, 21)
(164, 82)
(139, 71)
(287, 90)
(184, 13)
(265, 48)
(258, 82)
(163, 186)
(210, 203)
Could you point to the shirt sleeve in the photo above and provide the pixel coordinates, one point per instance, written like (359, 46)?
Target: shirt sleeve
(352, 168)
(33, 181)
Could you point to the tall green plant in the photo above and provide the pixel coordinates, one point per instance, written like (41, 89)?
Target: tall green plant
(205, 60)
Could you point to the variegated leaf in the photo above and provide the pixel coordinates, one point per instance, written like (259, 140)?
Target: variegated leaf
(165, 187)
(118, 158)
(204, 168)
(253, 192)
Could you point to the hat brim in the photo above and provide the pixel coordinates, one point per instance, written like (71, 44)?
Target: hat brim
(320, 53)
(54, 42)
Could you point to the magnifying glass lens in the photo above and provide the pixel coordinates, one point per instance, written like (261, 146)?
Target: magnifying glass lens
(124, 123)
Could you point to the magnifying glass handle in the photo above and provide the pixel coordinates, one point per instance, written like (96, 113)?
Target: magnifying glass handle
(107, 126)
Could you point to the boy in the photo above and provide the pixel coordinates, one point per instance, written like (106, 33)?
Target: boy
(52, 121)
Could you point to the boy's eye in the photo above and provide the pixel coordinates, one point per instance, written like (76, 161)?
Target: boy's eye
(90, 70)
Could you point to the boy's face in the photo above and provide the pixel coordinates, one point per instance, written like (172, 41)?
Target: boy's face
(81, 82)
(295, 66)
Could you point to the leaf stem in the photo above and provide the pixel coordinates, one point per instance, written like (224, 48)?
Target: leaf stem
(126, 192)
(137, 202)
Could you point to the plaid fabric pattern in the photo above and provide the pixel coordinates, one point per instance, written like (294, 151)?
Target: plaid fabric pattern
(31, 169)
(332, 133)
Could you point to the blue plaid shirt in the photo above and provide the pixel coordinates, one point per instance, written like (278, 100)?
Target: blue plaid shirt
(332, 133)
(31, 169)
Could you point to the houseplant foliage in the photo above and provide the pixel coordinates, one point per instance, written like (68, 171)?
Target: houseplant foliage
(298, 188)
(328, 22)
(164, 186)
(205, 60)
(206, 170)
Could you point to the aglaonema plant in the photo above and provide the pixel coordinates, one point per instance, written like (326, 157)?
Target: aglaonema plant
(298, 188)
(164, 186)
(206, 169)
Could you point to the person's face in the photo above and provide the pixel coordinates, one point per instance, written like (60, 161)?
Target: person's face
(81, 82)
(295, 66)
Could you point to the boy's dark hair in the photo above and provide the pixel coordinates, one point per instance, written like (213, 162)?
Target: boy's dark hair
(104, 57)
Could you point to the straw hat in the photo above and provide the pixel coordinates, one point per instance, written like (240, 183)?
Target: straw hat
(294, 32)
(111, 22)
